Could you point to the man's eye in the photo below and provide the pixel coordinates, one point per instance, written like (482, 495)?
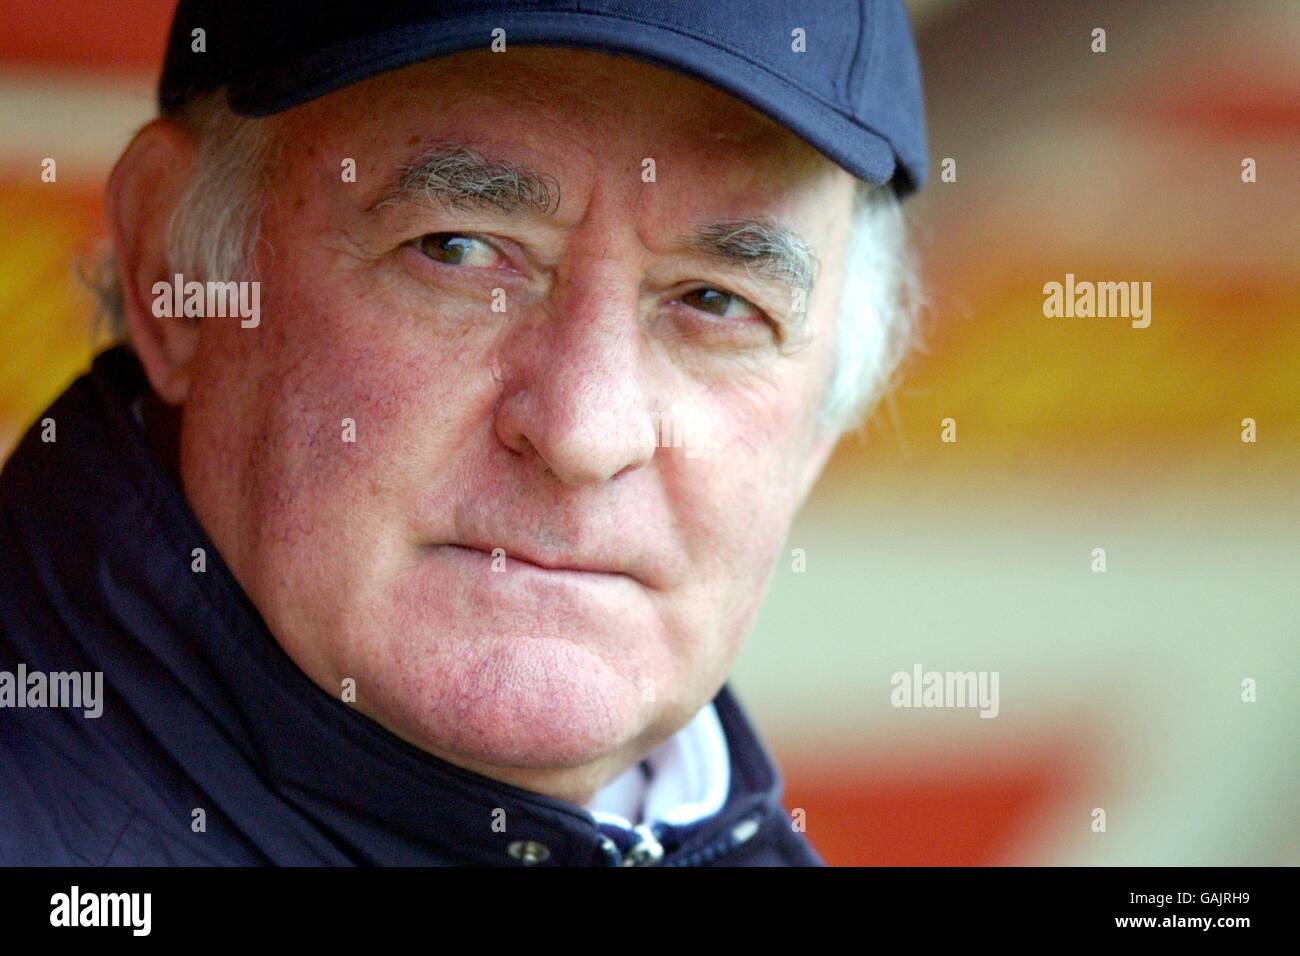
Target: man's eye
(456, 249)
(720, 303)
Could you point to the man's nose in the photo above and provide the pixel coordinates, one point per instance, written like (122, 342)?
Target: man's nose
(575, 390)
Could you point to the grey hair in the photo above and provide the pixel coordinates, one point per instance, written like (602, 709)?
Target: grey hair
(213, 230)
(880, 302)
(213, 233)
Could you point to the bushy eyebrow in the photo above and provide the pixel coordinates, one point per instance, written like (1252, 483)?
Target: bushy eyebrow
(760, 246)
(462, 177)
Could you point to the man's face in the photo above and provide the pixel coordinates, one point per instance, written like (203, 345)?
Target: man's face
(522, 419)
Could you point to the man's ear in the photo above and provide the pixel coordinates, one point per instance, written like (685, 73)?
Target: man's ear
(819, 451)
(142, 195)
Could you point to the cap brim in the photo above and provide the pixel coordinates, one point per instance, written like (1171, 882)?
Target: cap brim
(840, 137)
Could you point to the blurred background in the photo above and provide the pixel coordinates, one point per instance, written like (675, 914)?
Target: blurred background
(1119, 691)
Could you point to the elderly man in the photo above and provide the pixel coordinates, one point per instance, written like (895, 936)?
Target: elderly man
(473, 363)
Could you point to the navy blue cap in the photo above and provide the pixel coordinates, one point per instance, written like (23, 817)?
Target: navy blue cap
(854, 92)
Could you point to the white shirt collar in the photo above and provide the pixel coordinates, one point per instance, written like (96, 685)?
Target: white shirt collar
(684, 779)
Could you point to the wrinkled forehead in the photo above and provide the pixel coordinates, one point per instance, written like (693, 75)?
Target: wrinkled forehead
(574, 107)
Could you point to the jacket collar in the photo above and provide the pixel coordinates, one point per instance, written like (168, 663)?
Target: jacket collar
(301, 776)
(684, 779)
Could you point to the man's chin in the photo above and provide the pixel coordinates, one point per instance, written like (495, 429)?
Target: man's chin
(544, 704)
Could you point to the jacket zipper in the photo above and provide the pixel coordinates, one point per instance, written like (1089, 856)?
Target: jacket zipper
(649, 851)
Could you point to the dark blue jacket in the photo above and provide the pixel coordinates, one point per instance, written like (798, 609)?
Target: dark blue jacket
(203, 711)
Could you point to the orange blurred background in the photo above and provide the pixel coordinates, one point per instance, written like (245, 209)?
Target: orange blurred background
(1120, 691)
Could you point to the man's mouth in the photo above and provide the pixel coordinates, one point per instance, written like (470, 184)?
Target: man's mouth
(535, 561)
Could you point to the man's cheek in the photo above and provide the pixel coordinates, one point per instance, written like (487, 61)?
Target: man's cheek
(349, 402)
(314, 461)
(730, 520)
